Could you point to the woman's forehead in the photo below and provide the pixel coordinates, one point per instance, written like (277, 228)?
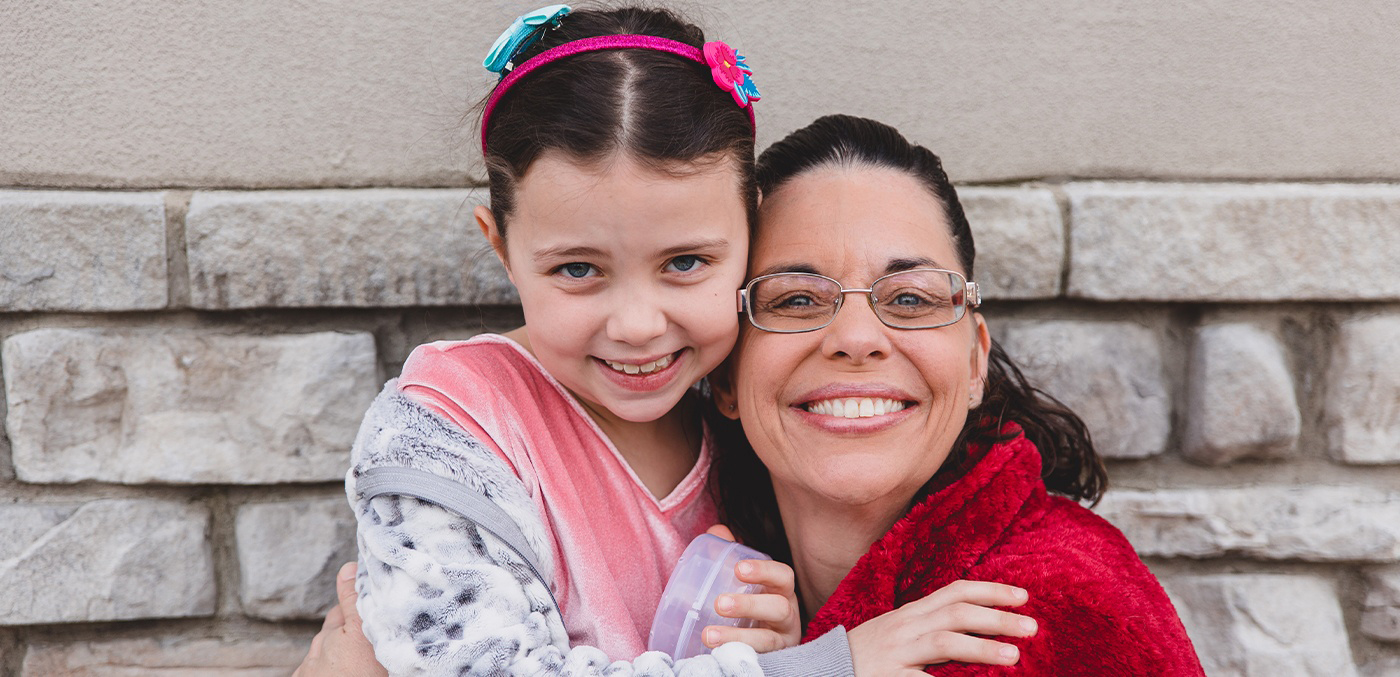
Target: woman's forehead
(851, 218)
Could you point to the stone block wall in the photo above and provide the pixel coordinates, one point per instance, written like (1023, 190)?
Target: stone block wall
(223, 226)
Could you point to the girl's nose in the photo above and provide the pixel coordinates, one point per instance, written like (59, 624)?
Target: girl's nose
(636, 321)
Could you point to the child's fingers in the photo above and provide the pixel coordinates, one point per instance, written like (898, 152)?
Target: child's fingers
(980, 620)
(953, 646)
(721, 531)
(981, 593)
(763, 607)
(773, 575)
(762, 640)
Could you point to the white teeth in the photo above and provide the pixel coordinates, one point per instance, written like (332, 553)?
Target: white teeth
(855, 407)
(655, 365)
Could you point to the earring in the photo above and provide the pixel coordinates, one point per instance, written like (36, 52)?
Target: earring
(733, 406)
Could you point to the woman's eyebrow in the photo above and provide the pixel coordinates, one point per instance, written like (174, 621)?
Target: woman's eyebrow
(788, 268)
(897, 265)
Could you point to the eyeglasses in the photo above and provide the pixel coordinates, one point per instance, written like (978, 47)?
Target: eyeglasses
(923, 298)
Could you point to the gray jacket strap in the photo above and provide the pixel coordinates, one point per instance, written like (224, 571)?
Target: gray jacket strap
(456, 497)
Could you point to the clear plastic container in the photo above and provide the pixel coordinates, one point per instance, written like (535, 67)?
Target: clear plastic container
(705, 572)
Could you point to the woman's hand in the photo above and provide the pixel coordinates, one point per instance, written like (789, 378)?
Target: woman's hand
(340, 648)
(941, 628)
(778, 623)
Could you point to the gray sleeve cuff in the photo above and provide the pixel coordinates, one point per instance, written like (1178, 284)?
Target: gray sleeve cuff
(825, 656)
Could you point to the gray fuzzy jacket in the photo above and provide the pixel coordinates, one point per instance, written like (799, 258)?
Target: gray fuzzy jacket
(440, 596)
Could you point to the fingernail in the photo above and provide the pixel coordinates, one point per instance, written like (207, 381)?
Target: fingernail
(745, 569)
(725, 603)
(711, 637)
(1021, 594)
(1010, 652)
(347, 571)
(1028, 624)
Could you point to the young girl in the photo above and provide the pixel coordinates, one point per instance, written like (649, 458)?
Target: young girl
(619, 148)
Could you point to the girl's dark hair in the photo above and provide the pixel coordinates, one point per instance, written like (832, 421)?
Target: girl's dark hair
(1070, 466)
(659, 109)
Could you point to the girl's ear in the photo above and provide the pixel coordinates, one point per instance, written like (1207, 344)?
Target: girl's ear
(977, 368)
(486, 221)
(722, 390)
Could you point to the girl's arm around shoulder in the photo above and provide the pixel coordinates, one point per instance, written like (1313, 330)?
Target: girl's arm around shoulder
(438, 595)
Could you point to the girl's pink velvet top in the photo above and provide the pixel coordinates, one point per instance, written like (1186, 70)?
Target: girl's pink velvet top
(614, 543)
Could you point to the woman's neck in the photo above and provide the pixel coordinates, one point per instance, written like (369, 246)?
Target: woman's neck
(827, 538)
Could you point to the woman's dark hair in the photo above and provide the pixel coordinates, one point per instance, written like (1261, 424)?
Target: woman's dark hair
(1070, 466)
(659, 109)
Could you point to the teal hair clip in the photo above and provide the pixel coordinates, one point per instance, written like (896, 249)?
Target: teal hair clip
(523, 32)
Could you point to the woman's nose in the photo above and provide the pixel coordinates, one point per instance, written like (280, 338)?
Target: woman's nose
(636, 321)
(855, 333)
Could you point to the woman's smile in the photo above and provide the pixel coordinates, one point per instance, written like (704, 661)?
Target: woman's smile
(854, 408)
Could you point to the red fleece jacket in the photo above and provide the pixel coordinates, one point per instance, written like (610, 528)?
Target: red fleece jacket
(1101, 612)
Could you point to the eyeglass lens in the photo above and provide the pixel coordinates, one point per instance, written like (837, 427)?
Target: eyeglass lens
(909, 300)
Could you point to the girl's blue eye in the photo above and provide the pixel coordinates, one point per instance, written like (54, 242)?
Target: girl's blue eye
(685, 263)
(576, 271)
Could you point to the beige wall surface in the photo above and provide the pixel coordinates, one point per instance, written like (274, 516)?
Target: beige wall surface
(224, 224)
(126, 93)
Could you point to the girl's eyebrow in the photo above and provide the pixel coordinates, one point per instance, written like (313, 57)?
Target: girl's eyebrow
(565, 252)
(710, 244)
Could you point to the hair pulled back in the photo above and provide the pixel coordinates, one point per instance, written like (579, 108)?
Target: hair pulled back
(1070, 466)
(659, 109)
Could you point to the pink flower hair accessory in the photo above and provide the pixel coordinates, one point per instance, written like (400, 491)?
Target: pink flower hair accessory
(731, 73)
(742, 88)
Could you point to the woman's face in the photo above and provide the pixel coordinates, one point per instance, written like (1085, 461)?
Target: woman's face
(855, 225)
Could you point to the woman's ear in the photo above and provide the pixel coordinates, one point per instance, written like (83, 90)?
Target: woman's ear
(486, 221)
(722, 390)
(977, 368)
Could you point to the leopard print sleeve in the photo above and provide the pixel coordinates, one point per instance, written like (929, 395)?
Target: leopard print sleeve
(438, 596)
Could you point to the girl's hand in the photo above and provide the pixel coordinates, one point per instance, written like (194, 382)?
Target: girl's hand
(941, 628)
(778, 623)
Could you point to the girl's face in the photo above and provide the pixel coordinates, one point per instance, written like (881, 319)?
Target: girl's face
(626, 276)
(855, 225)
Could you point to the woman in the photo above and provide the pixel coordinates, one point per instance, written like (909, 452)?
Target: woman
(892, 449)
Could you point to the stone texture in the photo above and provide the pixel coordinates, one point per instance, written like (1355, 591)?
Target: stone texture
(81, 251)
(1110, 373)
(138, 406)
(108, 559)
(1310, 523)
(1233, 242)
(1020, 238)
(274, 656)
(341, 248)
(289, 553)
(264, 93)
(1240, 399)
(267, 93)
(1363, 391)
(1256, 625)
(1380, 618)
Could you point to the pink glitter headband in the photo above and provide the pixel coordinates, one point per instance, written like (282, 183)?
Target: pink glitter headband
(729, 73)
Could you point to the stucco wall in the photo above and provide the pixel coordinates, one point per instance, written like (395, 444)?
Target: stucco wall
(223, 225)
